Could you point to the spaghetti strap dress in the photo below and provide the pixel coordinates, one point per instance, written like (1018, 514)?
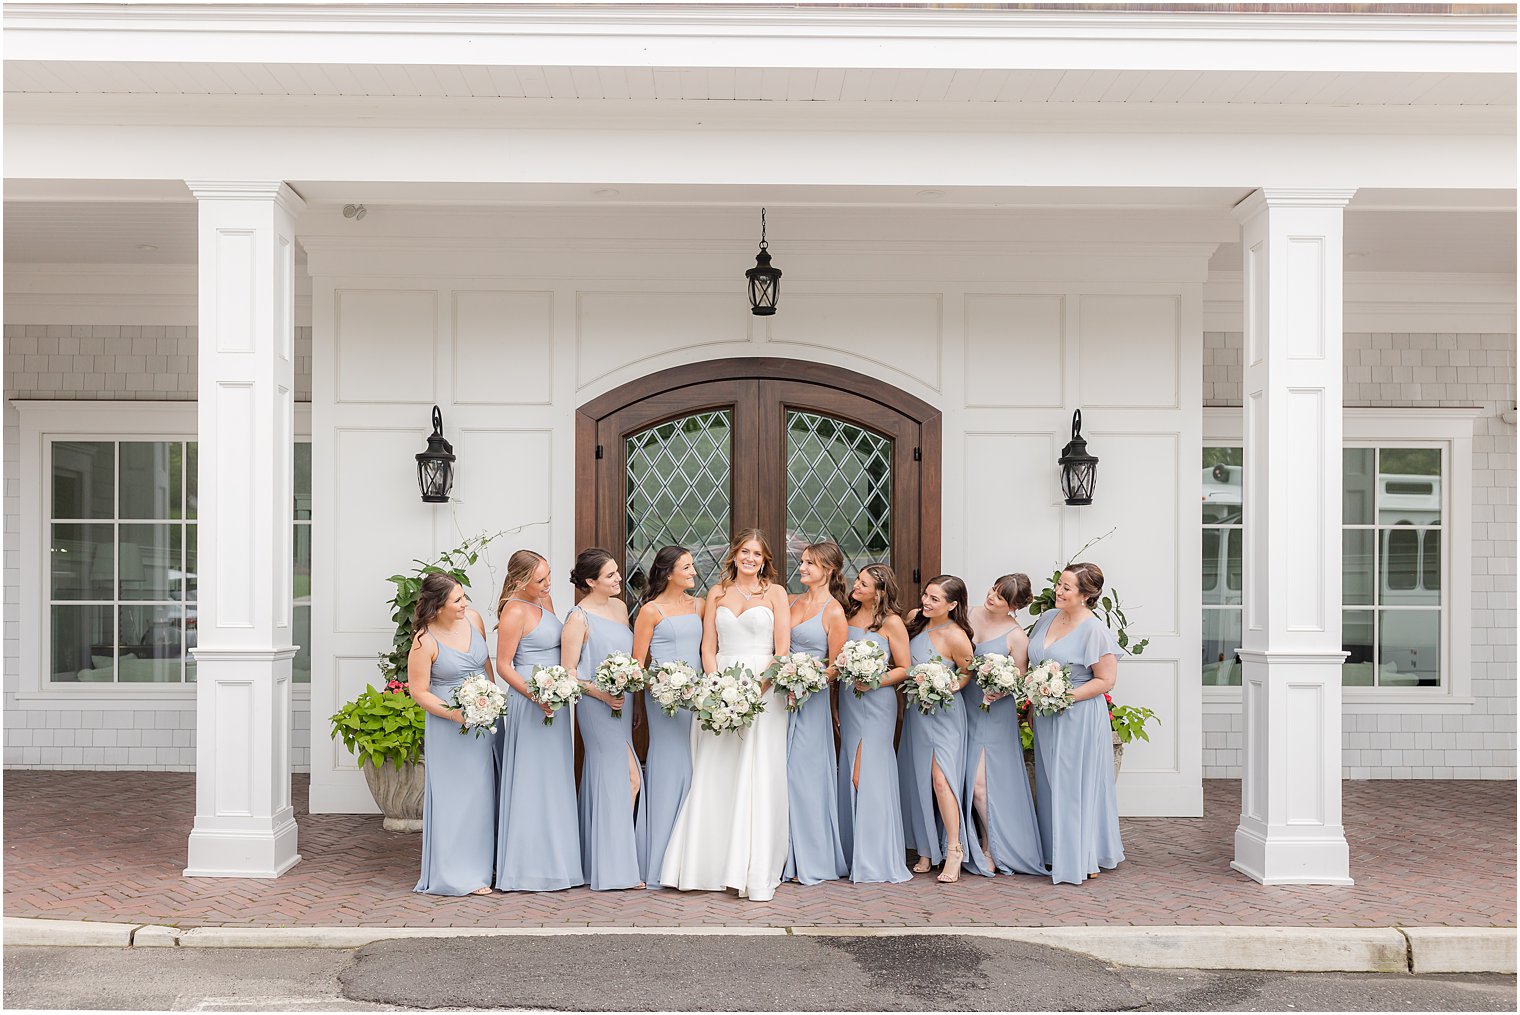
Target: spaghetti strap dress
(870, 815)
(459, 798)
(1078, 807)
(538, 841)
(1012, 834)
(609, 847)
(812, 793)
(667, 763)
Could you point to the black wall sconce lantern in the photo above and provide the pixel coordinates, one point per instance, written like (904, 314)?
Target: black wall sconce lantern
(435, 466)
(1079, 470)
(764, 280)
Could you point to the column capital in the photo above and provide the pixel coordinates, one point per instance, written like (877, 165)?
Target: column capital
(1263, 198)
(277, 191)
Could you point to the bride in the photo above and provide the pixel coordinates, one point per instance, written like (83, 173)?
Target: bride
(732, 829)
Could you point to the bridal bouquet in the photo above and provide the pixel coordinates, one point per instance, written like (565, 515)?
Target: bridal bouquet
(619, 673)
(482, 703)
(862, 662)
(673, 685)
(931, 686)
(995, 673)
(728, 700)
(555, 687)
(800, 675)
(1047, 687)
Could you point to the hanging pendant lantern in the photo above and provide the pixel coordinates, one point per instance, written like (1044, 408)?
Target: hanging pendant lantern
(435, 466)
(1079, 470)
(764, 280)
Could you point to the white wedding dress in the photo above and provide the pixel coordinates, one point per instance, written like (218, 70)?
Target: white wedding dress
(732, 829)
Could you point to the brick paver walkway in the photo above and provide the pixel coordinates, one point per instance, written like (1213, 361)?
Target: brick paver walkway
(111, 845)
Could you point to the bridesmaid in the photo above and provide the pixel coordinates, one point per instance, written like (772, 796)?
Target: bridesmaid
(996, 780)
(459, 802)
(819, 629)
(610, 797)
(1073, 750)
(870, 808)
(668, 629)
(937, 742)
(538, 843)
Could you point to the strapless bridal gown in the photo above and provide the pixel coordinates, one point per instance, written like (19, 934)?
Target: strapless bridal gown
(732, 829)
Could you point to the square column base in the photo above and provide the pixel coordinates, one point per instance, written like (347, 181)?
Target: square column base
(1279, 857)
(243, 853)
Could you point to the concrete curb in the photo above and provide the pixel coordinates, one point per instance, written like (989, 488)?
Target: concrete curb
(1278, 949)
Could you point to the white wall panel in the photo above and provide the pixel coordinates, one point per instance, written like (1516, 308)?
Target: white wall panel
(386, 345)
(382, 523)
(1015, 350)
(351, 675)
(1005, 509)
(901, 332)
(502, 352)
(1151, 683)
(1129, 351)
(616, 329)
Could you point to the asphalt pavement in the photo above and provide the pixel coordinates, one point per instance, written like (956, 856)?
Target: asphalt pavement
(696, 973)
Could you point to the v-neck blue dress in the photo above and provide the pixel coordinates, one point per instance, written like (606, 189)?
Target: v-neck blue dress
(667, 763)
(870, 815)
(609, 848)
(812, 796)
(1011, 833)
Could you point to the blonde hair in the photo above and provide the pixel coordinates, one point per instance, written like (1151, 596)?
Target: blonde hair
(731, 569)
(520, 568)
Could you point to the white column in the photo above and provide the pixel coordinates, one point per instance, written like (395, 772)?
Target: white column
(1290, 801)
(244, 824)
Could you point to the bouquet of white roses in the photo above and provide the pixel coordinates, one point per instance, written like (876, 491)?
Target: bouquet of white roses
(481, 702)
(673, 685)
(862, 662)
(800, 675)
(619, 673)
(555, 687)
(995, 673)
(728, 700)
(931, 686)
(1047, 687)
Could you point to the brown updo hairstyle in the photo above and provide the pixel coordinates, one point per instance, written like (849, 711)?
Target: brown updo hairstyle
(1014, 589)
(955, 593)
(888, 599)
(431, 599)
(1089, 579)
(520, 568)
(829, 555)
(660, 571)
(588, 567)
(767, 567)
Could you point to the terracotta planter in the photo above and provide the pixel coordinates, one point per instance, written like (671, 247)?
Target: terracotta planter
(1118, 761)
(398, 793)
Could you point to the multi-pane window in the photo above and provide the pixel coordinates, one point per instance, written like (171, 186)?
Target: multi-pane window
(122, 548)
(1391, 563)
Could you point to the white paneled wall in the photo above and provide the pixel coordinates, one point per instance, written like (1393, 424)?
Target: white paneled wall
(128, 363)
(1385, 369)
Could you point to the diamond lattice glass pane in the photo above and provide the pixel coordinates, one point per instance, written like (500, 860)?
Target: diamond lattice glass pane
(679, 492)
(839, 487)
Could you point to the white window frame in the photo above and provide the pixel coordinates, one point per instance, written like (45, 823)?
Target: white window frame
(43, 422)
(1451, 430)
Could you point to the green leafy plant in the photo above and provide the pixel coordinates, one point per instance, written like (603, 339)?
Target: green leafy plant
(1108, 608)
(1129, 721)
(381, 726)
(404, 603)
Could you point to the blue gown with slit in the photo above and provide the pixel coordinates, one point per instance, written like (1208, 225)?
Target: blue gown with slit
(609, 848)
(870, 815)
(812, 795)
(1074, 761)
(459, 801)
(667, 763)
(1012, 833)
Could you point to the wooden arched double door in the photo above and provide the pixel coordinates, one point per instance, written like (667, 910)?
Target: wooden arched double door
(804, 451)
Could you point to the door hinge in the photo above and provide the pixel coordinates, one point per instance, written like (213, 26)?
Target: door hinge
(599, 451)
(918, 456)
(916, 578)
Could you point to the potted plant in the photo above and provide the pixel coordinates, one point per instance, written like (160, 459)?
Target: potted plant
(383, 729)
(1126, 721)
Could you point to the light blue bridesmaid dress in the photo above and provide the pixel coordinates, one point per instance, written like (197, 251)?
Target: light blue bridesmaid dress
(812, 795)
(667, 763)
(1074, 761)
(609, 849)
(939, 736)
(538, 842)
(992, 737)
(459, 801)
(870, 816)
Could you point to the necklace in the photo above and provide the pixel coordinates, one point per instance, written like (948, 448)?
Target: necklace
(747, 595)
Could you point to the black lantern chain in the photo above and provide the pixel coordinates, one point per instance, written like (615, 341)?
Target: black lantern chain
(1079, 470)
(435, 466)
(764, 280)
